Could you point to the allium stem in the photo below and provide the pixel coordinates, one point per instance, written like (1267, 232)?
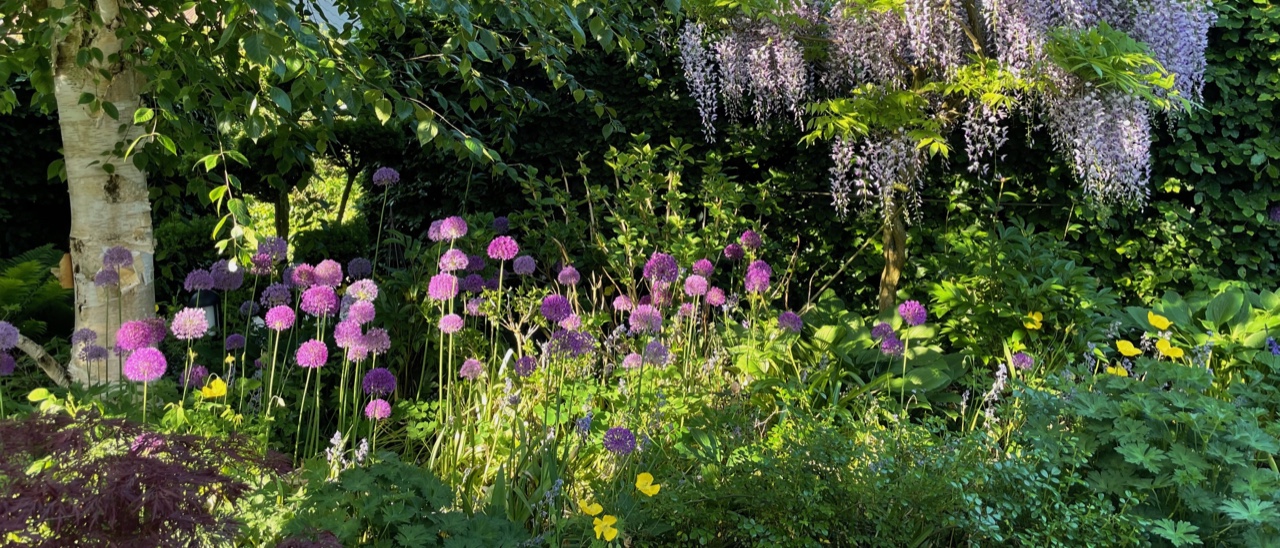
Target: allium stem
(302, 404)
(271, 383)
(377, 246)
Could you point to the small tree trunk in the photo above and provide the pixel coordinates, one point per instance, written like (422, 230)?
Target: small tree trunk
(895, 257)
(282, 214)
(352, 171)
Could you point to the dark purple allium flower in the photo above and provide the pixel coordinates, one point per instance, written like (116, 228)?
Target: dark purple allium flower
(1024, 361)
(84, 335)
(274, 247)
(453, 260)
(260, 264)
(319, 301)
(620, 441)
(361, 312)
(715, 297)
(695, 286)
(227, 276)
(686, 310)
(474, 306)
(525, 366)
(93, 352)
(892, 345)
(491, 283)
(145, 365)
(235, 341)
(385, 177)
(646, 319)
(275, 295)
(572, 322)
(280, 318)
(117, 257)
(471, 369)
(734, 252)
(882, 330)
(622, 303)
(790, 321)
(197, 280)
(453, 228)
(475, 263)
(329, 273)
(501, 225)
(363, 290)
(1274, 214)
(189, 324)
(703, 267)
(359, 268)
(451, 323)
(379, 381)
(568, 276)
(7, 364)
(378, 410)
(572, 343)
(661, 268)
(347, 334)
(249, 308)
(378, 341)
(312, 354)
(303, 276)
(750, 240)
(196, 376)
(656, 353)
(106, 278)
(473, 283)
(131, 336)
(8, 335)
(443, 287)
(913, 313)
(632, 361)
(524, 265)
(503, 248)
(556, 308)
(758, 275)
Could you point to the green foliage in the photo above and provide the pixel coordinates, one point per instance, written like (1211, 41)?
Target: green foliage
(31, 298)
(1110, 59)
(34, 207)
(182, 245)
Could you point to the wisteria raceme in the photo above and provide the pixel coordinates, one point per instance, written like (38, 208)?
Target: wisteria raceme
(937, 39)
(779, 79)
(699, 73)
(1106, 136)
(1177, 31)
(864, 43)
(733, 77)
(984, 134)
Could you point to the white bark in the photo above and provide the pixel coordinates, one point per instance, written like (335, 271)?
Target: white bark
(107, 209)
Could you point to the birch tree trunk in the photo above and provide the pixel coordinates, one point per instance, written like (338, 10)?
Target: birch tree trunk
(109, 206)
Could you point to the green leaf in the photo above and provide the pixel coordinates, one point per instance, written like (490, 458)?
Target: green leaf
(238, 208)
(143, 115)
(1223, 307)
(39, 394)
(382, 109)
(110, 108)
(1179, 533)
(217, 193)
(478, 51)
(210, 162)
(281, 99)
(255, 48)
(167, 143)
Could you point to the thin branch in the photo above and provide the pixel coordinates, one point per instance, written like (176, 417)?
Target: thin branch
(51, 367)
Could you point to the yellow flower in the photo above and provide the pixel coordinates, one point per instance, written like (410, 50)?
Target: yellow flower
(644, 482)
(1127, 349)
(604, 527)
(590, 509)
(216, 388)
(1157, 321)
(1118, 371)
(1034, 321)
(229, 359)
(1169, 350)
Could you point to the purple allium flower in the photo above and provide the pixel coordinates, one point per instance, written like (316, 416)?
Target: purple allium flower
(329, 273)
(280, 318)
(646, 319)
(274, 247)
(385, 177)
(196, 376)
(503, 248)
(451, 323)
(275, 295)
(687, 310)
(491, 283)
(226, 276)
(620, 441)
(572, 322)
(632, 361)
(378, 341)
(790, 321)
(524, 265)
(892, 345)
(622, 303)
(7, 364)
(656, 353)
(1274, 214)
(131, 336)
(347, 335)
(473, 283)
(661, 268)
(913, 313)
(453, 260)
(882, 330)
(117, 257)
(359, 268)
(703, 267)
(568, 276)
(757, 279)
(695, 286)
(475, 263)
(319, 301)
(235, 341)
(189, 323)
(1022, 360)
(378, 409)
(93, 352)
(501, 225)
(303, 276)
(572, 343)
(750, 240)
(8, 335)
(715, 297)
(433, 232)
(525, 366)
(159, 330)
(84, 335)
(379, 381)
(249, 308)
(260, 264)
(106, 278)
(471, 369)
(443, 287)
(734, 252)
(312, 354)
(453, 228)
(363, 290)
(473, 307)
(145, 365)
(197, 280)
(556, 308)
(361, 312)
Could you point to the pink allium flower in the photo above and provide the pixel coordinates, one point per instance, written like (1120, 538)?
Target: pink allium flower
(453, 228)
(471, 369)
(443, 287)
(913, 313)
(572, 322)
(556, 308)
(347, 334)
(632, 361)
(378, 341)
(363, 290)
(695, 286)
(145, 365)
(361, 312)
(303, 276)
(329, 273)
(734, 252)
(703, 267)
(280, 318)
(312, 354)
(189, 324)
(758, 275)
(319, 301)
(646, 319)
(661, 268)
(453, 260)
(133, 335)
(750, 240)
(378, 410)
(503, 248)
(715, 297)
(790, 321)
(622, 303)
(451, 323)
(569, 276)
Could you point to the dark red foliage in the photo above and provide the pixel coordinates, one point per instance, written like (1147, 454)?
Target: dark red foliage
(110, 482)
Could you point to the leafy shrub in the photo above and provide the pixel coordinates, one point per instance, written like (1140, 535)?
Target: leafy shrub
(30, 298)
(182, 245)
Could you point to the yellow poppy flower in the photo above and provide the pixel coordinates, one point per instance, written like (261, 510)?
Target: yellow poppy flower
(604, 528)
(644, 482)
(229, 359)
(1118, 371)
(1033, 321)
(216, 388)
(1168, 349)
(590, 509)
(1127, 349)
(1157, 321)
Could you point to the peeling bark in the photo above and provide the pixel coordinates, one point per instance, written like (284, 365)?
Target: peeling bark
(51, 367)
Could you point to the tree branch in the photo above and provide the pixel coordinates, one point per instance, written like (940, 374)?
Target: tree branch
(51, 367)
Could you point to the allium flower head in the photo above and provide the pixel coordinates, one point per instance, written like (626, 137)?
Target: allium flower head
(196, 376)
(568, 276)
(189, 324)
(473, 283)
(235, 341)
(661, 268)
(703, 267)
(453, 260)
(312, 354)
(687, 310)
(275, 295)
(433, 232)
(117, 257)
(84, 335)
(572, 343)
(881, 330)
(198, 280)
(106, 278)
(758, 277)
(524, 265)
(913, 313)
(556, 308)
(501, 225)
(378, 410)
(474, 306)
(319, 301)
(622, 303)
(145, 365)
(892, 345)
(260, 264)
(620, 441)
(363, 290)
(661, 295)
(656, 353)
(471, 369)
(632, 361)
(715, 297)
(359, 268)
(249, 308)
(7, 364)
(734, 252)
(646, 319)
(347, 335)
(361, 312)
(378, 341)
(451, 323)
(226, 276)
(453, 228)
(695, 286)
(750, 240)
(379, 381)
(94, 353)
(1024, 361)
(329, 273)
(303, 276)
(385, 177)
(790, 321)
(572, 322)
(280, 318)
(443, 287)
(1274, 214)
(274, 247)
(8, 335)
(503, 248)
(525, 366)
(131, 336)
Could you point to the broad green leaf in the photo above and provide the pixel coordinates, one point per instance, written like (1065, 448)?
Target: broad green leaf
(1223, 307)
(282, 99)
(143, 115)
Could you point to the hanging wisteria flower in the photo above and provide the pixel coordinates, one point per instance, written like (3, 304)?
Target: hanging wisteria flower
(453, 260)
(319, 301)
(524, 265)
(661, 268)
(275, 295)
(525, 366)
(329, 273)
(433, 231)
(758, 277)
(198, 280)
(379, 381)
(734, 252)
(632, 361)
(620, 441)
(471, 369)
(117, 257)
(359, 268)
(473, 307)
(235, 341)
(1022, 360)
(249, 308)
(473, 283)
(7, 364)
(378, 341)
(363, 290)
(106, 278)
(189, 324)
(443, 287)
(503, 248)
(145, 365)
(378, 409)
(703, 267)
(715, 297)
(892, 345)
(226, 276)
(622, 303)
(750, 240)
(790, 321)
(312, 354)
(656, 353)
(453, 228)
(568, 276)
(913, 313)
(8, 335)
(280, 318)
(695, 286)
(196, 376)
(451, 323)
(881, 330)
(132, 336)
(646, 319)
(361, 312)
(303, 276)
(385, 177)
(555, 308)
(572, 322)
